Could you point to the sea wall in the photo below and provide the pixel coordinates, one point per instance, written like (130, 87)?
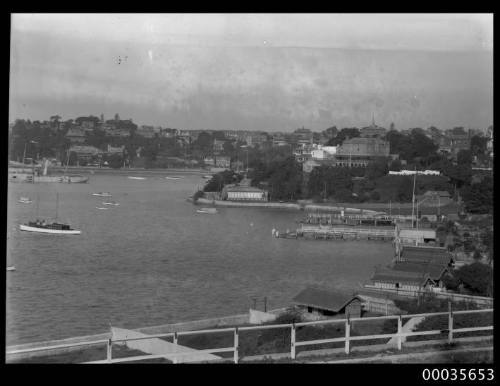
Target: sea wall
(281, 205)
(235, 204)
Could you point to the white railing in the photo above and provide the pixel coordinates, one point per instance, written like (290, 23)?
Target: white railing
(484, 300)
(294, 343)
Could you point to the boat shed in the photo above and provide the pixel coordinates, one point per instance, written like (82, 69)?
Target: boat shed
(327, 302)
(435, 271)
(392, 279)
(426, 255)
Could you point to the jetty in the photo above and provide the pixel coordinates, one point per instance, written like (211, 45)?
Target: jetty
(339, 233)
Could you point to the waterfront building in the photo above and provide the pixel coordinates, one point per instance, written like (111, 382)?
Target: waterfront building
(425, 255)
(85, 153)
(414, 236)
(435, 271)
(244, 193)
(321, 301)
(387, 278)
(361, 151)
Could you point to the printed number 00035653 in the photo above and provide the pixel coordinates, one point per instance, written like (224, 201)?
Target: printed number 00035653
(458, 375)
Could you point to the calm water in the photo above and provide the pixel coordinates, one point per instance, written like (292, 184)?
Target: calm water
(154, 260)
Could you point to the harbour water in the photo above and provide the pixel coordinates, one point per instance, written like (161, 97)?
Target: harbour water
(153, 260)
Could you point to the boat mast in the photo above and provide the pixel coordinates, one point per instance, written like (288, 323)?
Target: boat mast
(413, 199)
(57, 204)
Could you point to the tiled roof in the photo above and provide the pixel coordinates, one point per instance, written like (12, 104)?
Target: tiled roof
(323, 298)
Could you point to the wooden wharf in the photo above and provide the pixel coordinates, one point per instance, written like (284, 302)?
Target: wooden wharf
(339, 233)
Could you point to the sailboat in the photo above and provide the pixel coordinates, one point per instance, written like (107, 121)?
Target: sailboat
(43, 226)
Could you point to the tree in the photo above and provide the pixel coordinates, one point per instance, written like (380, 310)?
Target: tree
(478, 198)
(395, 165)
(115, 161)
(348, 132)
(464, 157)
(478, 145)
(477, 278)
(377, 169)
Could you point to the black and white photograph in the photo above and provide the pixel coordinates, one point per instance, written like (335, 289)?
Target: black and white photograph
(251, 188)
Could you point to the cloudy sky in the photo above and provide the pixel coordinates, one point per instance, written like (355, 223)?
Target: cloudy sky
(255, 71)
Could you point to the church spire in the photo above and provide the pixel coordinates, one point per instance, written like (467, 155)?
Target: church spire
(373, 119)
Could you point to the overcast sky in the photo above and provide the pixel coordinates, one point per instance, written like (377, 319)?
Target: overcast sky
(255, 71)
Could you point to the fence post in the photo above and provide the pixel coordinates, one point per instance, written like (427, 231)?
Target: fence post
(109, 348)
(450, 323)
(292, 343)
(236, 345)
(175, 348)
(347, 335)
(400, 331)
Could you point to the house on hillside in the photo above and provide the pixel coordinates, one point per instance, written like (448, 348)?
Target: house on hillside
(76, 135)
(320, 301)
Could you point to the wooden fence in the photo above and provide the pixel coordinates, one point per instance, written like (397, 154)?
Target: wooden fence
(347, 338)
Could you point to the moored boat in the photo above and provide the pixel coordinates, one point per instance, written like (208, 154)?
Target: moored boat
(207, 210)
(110, 203)
(11, 268)
(173, 178)
(207, 177)
(53, 228)
(136, 178)
(24, 200)
(102, 194)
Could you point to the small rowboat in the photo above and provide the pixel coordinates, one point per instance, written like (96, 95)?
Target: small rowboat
(11, 268)
(110, 203)
(207, 210)
(173, 178)
(102, 194)
(137, 178)
(24, 200)
(97, 207)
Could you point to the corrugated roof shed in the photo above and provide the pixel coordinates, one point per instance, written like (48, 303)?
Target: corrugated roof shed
(323, 298)
(435, 255)
(388, 275)
(435, 271)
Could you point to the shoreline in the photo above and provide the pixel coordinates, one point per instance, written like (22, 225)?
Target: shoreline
(280, 205)
(356, 208)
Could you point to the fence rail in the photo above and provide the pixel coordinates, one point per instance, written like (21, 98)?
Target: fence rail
(294, 343)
